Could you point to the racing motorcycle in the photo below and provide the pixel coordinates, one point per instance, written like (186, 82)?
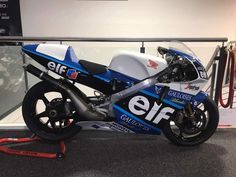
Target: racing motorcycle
(136, 93)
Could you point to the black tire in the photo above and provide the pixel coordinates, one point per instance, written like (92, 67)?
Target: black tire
(34, 122)
(212, 116)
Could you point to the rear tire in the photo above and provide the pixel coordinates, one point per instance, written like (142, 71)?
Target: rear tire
(207, 124)
(47, 121)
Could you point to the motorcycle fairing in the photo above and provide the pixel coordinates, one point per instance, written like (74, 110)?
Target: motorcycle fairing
(142, 123)
(143, 112)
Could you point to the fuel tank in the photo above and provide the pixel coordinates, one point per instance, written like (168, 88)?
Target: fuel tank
(137, 65)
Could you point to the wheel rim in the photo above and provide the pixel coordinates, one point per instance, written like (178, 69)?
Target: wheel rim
(53, 113)
(191, 129)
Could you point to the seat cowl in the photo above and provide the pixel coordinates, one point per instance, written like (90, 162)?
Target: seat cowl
(53, 50)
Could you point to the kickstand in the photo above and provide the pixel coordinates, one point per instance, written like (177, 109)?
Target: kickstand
(5, 149)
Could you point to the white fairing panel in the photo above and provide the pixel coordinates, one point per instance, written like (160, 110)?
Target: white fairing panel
(53, 50)
(137, 65)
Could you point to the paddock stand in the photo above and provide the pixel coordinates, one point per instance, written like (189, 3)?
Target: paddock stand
(5, 142)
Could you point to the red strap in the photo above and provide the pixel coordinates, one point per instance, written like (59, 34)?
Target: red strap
(231, 83)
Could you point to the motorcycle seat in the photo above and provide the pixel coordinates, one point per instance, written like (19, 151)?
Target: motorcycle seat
(93, 68)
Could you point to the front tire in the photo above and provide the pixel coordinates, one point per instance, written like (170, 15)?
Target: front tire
(195, 130)
(49, 113)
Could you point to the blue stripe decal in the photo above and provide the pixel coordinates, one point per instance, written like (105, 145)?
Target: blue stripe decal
(135, 118)
(164, 100)
(102, 78)
(150, 94)
(58, 61)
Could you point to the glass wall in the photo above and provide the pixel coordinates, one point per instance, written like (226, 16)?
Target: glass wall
(12, 84)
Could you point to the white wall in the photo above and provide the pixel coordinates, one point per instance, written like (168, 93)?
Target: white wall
(132, 18)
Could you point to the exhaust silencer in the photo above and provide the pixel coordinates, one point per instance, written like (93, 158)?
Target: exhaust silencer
(83, 109)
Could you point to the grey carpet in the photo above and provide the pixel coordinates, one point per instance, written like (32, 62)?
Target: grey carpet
(94, 153)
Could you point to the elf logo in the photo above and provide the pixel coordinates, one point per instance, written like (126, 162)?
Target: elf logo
(58, 68)
(139, 105)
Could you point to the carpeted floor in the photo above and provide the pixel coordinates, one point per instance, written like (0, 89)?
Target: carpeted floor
(94, 153)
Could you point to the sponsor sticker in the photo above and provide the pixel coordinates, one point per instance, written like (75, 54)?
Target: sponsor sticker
(152, 64)
(176, 100)
(158, 89)
(117, 127)
(58, 68)
(179, 95)
(203, 74)
(192, 87)
(133, 122)
(72, 73)
(154, 112)
(195, 103)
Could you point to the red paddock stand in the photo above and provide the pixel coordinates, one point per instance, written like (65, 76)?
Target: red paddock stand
(5, 141)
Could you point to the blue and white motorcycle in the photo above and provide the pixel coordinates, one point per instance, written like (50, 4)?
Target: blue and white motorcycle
(136, 93)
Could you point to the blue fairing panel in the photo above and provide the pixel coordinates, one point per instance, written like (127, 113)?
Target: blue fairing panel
(199, 98)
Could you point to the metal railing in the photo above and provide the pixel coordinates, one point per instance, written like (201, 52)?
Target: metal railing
(94, 39)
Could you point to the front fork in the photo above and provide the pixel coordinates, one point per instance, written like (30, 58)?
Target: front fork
(190, 107)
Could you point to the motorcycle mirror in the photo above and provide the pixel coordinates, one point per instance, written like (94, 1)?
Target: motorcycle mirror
(162, 50)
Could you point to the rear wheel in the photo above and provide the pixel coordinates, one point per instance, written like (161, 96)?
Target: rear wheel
(192, 129)
(49, 113)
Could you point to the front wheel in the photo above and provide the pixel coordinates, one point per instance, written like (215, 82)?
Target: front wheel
(192, 129)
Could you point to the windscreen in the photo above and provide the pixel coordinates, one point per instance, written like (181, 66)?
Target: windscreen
(179, 46)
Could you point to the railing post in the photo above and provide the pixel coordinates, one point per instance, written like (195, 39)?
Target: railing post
(220, 72)
(25, 73)
(142, 48)
(213, 80)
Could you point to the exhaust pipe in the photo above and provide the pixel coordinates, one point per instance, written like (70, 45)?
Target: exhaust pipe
(85, 112)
